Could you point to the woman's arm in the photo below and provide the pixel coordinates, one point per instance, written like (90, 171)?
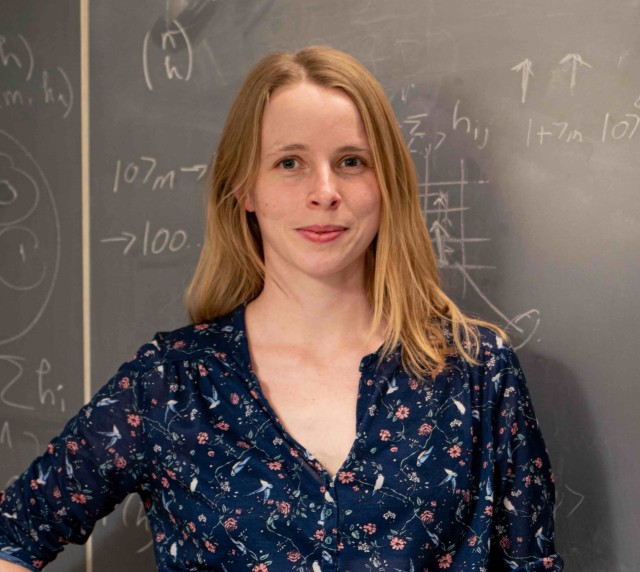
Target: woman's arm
(524, 494)
(9, 567)
(90, 467)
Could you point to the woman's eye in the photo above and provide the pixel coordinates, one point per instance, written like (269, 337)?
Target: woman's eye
(353, 162)
(288, 163)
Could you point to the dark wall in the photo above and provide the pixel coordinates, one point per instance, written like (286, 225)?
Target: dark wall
(524, 121)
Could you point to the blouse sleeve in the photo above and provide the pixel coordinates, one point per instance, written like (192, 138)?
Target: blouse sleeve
(524, 493)
(85, 472)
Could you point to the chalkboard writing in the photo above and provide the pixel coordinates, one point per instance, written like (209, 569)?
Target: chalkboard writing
(524, 123)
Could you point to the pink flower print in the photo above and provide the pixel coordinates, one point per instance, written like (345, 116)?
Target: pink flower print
(293, 452)
(203, 370)
(50, 448)
(538, 462)
(274, 465)
(514, 428)
(262, 567)
(230, 524)
(473, 540)
(505, 542)
(202, 437)
(319, 534)
(56, 493)
(445, 561)
(293, 556)
(192, 526)
(425, 429)
(402, 412)
(33, 484)
(385, 434)
(120, 462)
(133, 420)
(548, 562)
(39, 564)
(235, 398)
(427, 517)
(160, 537)
(165, 482)
(72, 447)
(179, 345)
(284, 507)
(455, 451)
(243, 445)
(124, 383)
(201, 327)
(488, 510)
(79, 498)
(222, 425)
(346, 476)
(397, 543)
(209, 546)
(394, 449)
(369, 528)
(413, 384)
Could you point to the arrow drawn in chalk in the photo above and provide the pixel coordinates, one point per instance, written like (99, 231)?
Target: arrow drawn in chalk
(126, 236)
(441, 236)
(525, 67)
(575, 60)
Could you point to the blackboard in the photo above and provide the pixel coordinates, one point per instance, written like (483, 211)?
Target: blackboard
(524, 121)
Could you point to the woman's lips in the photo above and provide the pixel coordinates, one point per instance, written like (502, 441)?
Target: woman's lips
(320, 236)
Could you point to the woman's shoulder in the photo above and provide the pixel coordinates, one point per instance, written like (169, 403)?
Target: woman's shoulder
(492, 349)
(217, 336)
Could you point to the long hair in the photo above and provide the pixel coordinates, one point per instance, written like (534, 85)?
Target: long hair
(402, 282)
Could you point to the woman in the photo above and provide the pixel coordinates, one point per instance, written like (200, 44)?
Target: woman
(260, 438)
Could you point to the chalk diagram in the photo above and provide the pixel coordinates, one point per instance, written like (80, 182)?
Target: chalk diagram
(29, 239)
(446, 207)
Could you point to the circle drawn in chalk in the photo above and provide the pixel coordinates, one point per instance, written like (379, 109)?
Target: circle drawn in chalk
(19, 192)
(29, 239)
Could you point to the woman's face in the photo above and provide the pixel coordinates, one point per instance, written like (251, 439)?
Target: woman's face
(316, 170)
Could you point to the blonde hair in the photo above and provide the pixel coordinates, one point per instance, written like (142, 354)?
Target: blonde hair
(402, 282)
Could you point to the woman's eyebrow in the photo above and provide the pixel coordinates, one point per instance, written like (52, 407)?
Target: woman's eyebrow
(302, 147)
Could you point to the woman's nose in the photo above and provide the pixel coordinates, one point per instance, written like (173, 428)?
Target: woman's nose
(324, 191)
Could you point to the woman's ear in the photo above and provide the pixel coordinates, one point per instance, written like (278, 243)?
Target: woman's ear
(244, 199)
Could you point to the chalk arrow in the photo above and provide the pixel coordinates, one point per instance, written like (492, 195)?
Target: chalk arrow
(575, 60)
(441, 236)
(525, 67)
(126, 236)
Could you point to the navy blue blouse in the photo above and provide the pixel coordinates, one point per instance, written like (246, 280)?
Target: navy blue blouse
(446, 474)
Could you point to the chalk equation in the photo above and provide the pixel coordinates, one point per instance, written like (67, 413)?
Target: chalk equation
(29, 238)
(144, 173)
(174, 52)
(152, 241)
(618, 125)
(446, 208)
(24, 84)
(23, 390)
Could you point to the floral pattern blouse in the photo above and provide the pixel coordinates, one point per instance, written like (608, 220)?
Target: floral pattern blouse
(446, 474)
